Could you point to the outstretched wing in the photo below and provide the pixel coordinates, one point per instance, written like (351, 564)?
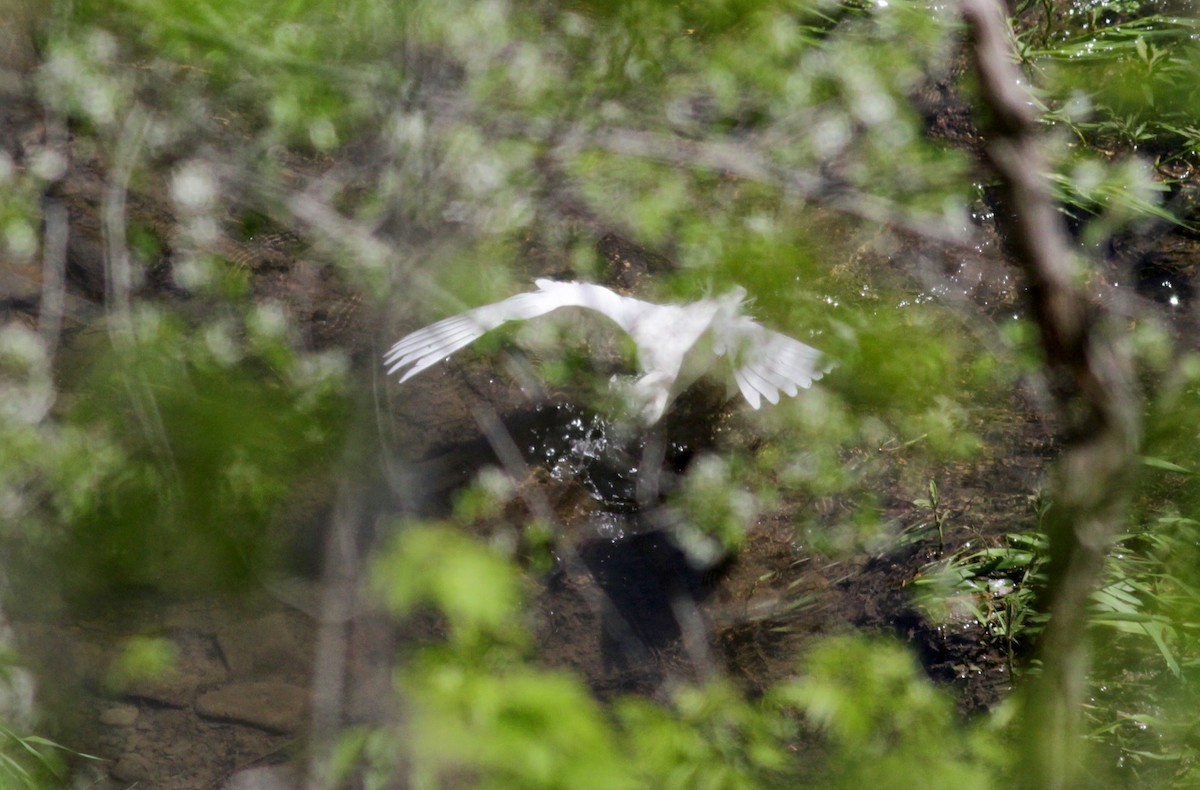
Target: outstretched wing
(766, 363)
(425, 347)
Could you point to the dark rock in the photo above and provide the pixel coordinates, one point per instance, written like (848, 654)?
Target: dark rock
(271, 644)
(131, 768)
(270, 705)
(119, 716)
(175, 690)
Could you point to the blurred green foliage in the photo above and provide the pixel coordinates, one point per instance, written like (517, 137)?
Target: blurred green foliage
(200, 452)
(747, 142)
(887, 724)
(164, 466)
(446, 570)
(30, 762)
(1126, 83)
(477, 713)
(143, 658)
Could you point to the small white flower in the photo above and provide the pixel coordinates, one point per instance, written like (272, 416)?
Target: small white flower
(194, 187)
(26, 387)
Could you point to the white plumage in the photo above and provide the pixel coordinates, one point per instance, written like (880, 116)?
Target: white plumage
(676, 344)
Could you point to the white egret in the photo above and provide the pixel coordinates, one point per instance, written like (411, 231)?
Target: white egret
(676, 344)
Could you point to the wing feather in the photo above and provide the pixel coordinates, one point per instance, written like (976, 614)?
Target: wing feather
(426, 347)
(761, 382)
(429, 351)
(769, 362)
(748, 392)
(431, 339)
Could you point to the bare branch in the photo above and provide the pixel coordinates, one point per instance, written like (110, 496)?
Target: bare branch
(54, 267)
(1091, 381)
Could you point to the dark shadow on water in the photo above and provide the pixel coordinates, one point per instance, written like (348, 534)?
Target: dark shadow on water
(646, 582)
(645, 577)
(570, 443)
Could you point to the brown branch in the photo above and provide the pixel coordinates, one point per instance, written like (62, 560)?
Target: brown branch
(1089, 371)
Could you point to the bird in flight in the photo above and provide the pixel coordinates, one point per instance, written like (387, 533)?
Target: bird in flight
(676, 344)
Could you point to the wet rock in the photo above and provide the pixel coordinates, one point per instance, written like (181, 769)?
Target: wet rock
(119, 716)
(131, 768)
(175, 690)
(265, 777)
(270, 705)
(270, 644)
